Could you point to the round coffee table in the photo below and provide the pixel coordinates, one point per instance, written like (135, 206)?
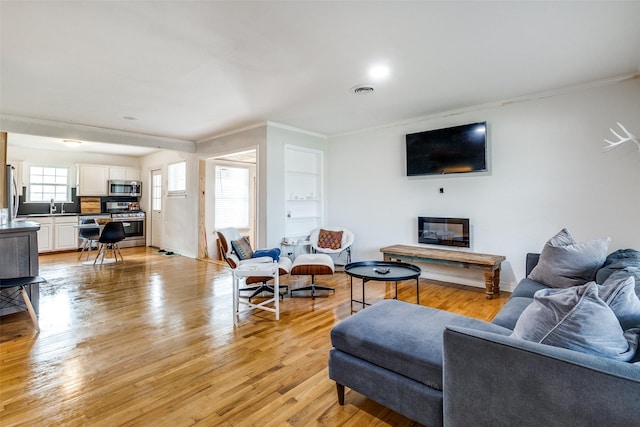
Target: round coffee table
(382, 271)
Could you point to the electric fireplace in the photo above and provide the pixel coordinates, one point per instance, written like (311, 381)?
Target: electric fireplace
(444, 231)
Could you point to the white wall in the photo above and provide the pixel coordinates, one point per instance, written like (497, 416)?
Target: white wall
(548, 171)
(180, 214)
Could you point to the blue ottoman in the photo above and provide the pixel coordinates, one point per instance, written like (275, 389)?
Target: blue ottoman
(391, 352)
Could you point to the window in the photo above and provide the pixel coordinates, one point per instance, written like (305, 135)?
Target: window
(156, 191)
(232, 197)
(177, 178)
(46, 183)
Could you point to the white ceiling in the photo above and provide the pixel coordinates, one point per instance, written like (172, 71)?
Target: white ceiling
(190, 70)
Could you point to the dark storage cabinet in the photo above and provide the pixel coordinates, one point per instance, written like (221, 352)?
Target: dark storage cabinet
(19, 258)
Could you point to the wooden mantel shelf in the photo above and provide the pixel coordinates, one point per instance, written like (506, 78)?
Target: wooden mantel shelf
(490, 264)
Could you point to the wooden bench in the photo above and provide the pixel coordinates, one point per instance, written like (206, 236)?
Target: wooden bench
(490, 264)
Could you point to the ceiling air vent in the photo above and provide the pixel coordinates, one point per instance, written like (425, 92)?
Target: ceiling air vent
(362, 89)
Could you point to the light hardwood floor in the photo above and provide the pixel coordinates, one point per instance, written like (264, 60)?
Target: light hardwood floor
(152, 342)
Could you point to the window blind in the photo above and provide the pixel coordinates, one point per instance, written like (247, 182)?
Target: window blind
(231, 197)
(177, 178)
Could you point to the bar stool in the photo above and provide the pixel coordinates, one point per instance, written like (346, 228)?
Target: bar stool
(20, 285)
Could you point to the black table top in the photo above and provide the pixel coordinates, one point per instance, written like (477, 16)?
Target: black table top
(372, 270)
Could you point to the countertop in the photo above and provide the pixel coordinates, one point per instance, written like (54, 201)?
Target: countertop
(47, 215)
(14, 226)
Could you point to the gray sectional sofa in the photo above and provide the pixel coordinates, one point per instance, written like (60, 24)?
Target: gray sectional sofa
(440, 368)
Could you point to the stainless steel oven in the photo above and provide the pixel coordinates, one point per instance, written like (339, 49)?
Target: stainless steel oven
(133, 219)
(134, 228)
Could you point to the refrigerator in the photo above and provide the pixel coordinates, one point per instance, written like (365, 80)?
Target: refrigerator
(11, 193)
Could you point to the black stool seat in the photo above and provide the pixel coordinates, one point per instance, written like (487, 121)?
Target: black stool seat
(112, 233)
(21, 283)
(88, 235)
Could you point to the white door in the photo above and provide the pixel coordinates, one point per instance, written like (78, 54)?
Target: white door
(156, 208)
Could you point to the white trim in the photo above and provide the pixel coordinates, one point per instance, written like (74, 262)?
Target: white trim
(295, 129)
(231, 132)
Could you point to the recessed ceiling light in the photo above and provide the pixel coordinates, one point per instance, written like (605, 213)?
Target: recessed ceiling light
(71, 142)
(379, 72)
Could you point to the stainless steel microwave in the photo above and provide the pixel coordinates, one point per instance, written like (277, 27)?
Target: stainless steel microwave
(125, 188)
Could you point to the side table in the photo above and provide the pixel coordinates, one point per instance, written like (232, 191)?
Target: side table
(260, 269)
(292, 249)
(382, 271)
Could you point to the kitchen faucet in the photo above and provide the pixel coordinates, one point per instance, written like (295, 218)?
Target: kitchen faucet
(52, 207)
(61, 207)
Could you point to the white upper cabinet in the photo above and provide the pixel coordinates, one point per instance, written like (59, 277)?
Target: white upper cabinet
(124, 173)
(92, 180)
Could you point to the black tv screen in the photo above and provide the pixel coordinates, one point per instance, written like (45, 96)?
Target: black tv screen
(456, 149)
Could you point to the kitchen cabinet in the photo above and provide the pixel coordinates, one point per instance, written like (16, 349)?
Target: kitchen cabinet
(124, 173)
(45, 234)
(303, 190)
(92, 180)
(65, 233)
(57, 233)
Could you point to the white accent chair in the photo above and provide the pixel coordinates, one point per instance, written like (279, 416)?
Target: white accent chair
(229, 234)
(343, 253)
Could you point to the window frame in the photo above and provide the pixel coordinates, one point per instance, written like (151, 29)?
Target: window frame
(170, 179)
(32, 184)
(248, 200)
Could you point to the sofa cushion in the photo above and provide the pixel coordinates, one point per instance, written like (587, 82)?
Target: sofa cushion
(564, 263)
(511, 311)
(576, 319)
(403, 338)
(527, 287)
(621, 259)
(620, 296)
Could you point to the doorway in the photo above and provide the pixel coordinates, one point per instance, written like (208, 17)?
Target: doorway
(156, 208)
(229, 198)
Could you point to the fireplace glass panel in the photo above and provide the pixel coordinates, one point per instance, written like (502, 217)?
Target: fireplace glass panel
(444, 231)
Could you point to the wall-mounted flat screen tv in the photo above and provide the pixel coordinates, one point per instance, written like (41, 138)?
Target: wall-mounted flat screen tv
(458, 149)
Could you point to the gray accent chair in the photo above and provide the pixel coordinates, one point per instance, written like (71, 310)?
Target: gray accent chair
(440, 368)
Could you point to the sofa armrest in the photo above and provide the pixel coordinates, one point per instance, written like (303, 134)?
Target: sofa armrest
(499, 380)
(532, 261)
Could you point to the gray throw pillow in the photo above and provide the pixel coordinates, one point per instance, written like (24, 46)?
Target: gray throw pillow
(242, 248)
(620, 296)
(576, 319)
(564, 263)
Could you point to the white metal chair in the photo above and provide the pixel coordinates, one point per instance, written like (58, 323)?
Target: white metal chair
(342, 254)
(228, 235)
